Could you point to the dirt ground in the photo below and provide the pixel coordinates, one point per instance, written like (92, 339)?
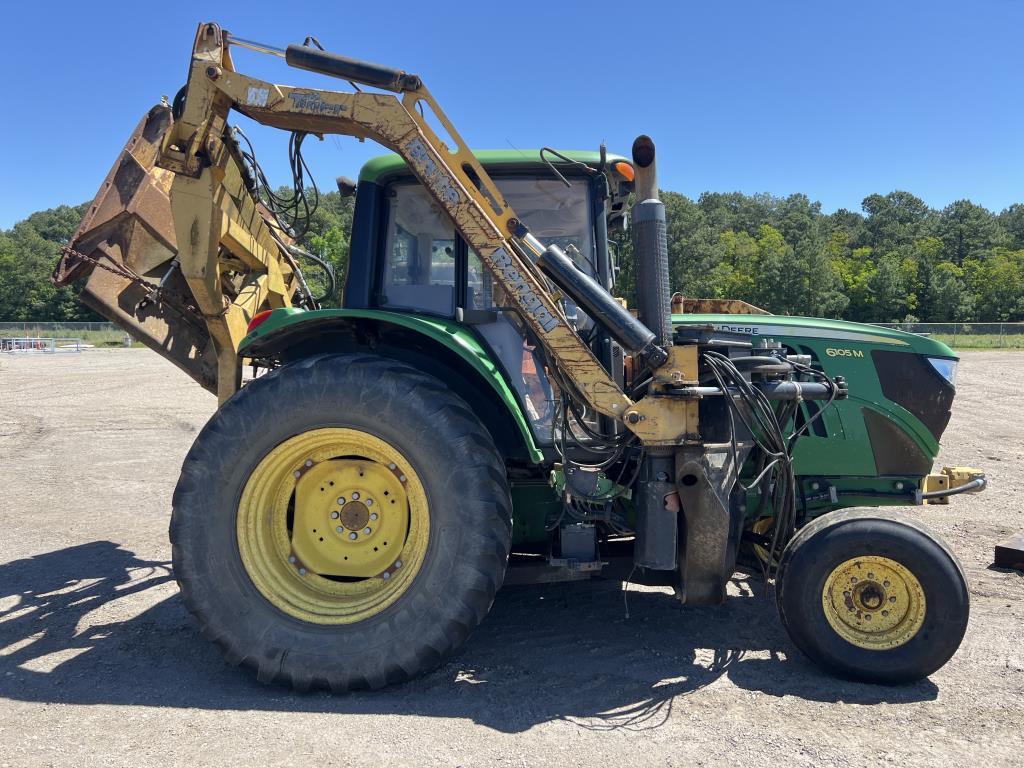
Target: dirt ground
(101, 665)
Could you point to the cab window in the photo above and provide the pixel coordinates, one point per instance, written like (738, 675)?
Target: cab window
(420, 269)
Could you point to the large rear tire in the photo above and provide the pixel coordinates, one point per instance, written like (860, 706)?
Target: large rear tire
(342, 522)
(872, 596)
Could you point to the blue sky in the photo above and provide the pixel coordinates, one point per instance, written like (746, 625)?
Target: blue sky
(836, 100)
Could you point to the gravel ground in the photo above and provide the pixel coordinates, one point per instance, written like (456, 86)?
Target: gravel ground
(101, 665)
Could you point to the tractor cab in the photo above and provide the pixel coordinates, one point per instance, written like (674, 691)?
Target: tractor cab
(407, 256)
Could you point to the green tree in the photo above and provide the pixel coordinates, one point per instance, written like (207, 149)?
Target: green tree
(895, 219)
(998, 284)
(947, 299)
(969, 231)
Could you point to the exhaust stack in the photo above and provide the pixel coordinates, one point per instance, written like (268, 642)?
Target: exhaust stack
(650, 245)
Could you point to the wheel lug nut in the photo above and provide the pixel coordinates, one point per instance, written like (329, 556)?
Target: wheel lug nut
(334, 515)
(398, 563)
(367, 531)
(385, 575)
(373, 516)
(341, 499)
(291, 558)
(892, 599)
(298, 473)
(391, 465)
(339, 529)
(302, 571)
(402, 478)
(309, 462)
(353, 535)
(369, 502)
(355, 495)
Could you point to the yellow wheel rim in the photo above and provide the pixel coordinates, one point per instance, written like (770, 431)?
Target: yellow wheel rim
(333, 526)
(874, 602)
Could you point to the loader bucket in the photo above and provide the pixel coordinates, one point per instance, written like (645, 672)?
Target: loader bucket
(129, 225)
(126, 251)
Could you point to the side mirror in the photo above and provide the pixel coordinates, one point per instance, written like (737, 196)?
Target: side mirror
(346, 187)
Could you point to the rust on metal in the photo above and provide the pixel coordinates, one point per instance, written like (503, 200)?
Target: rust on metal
(684, 306)
(355, 515)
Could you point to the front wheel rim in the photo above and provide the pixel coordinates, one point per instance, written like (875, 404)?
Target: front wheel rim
(292, 526)
(874, 602)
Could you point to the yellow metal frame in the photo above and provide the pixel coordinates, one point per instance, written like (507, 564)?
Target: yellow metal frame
(662, 418)
(451, 174)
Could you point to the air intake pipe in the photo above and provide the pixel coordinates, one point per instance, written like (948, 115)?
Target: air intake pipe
(650, 245)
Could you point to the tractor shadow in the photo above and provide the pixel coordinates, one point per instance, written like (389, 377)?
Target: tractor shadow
(94, 624)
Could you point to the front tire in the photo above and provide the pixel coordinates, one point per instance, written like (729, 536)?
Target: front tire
(872, 596)
(342, 522)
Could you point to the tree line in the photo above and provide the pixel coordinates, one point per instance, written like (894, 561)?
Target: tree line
(897, 260)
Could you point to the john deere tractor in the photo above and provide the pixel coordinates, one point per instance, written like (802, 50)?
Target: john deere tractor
(482, 408)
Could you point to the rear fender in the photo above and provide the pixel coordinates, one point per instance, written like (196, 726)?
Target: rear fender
(443, 348)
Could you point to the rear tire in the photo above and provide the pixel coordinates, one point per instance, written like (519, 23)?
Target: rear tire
(234, 549)
(872, 596)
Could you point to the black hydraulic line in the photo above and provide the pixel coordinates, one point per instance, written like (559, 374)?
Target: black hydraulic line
(772, 390)
(977, 483)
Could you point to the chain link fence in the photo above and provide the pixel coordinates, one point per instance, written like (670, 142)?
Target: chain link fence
(968, 335)
(88, 334)
(41, 329)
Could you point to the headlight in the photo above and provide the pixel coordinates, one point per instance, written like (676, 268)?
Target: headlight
(945, 367)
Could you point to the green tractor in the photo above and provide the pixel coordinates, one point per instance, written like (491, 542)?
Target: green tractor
(481, 410)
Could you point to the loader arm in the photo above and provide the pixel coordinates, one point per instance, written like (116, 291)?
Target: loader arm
(214, 218)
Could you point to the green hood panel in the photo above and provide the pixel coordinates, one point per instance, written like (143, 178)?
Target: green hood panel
(843, 349)
(775, 326)
(452, 335)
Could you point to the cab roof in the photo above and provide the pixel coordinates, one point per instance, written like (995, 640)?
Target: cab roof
(379, 168)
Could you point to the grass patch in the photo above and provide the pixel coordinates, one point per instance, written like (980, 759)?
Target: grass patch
(981, 340)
